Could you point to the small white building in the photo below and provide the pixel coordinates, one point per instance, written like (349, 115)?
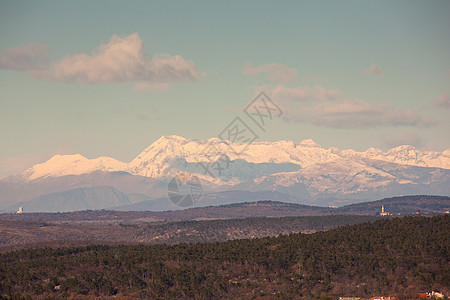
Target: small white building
(20, 211)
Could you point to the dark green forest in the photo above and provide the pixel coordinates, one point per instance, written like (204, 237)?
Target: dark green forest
(386, 257)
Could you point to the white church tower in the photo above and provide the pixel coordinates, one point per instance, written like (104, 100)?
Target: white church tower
(383, 212)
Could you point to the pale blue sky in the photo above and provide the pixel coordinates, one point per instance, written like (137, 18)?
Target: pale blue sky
(329, 44)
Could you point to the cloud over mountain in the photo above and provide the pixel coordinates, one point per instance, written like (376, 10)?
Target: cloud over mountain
(330, 108)
(29, 58)
(124, 60)
(119, 60)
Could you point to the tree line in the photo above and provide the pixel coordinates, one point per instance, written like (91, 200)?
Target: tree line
(385, 257)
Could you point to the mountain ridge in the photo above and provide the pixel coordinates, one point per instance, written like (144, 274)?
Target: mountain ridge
(154, 160)
(305, 170)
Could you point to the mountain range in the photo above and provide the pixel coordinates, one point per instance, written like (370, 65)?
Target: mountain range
(302, 172)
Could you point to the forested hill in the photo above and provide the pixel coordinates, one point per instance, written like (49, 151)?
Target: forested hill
(390, 256)
(425, 204)
(404, 205)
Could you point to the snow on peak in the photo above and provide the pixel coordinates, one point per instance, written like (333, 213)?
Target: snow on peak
(171, 138)
(373, 151)
(214, 140)
(402, 148)
(309, 143)
(283, 144)
(157, 159)
(76, 164)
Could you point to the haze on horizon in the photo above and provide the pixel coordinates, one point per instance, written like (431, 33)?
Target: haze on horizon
(109, 78)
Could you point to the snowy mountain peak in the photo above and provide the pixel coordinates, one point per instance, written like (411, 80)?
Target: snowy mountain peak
(402, 148)
(215, 140)
(309, 143)
(165, 155)
(334, 150)
(373, 151)
(171, 138)
(67, 158)
(75, 164)
(302, 169)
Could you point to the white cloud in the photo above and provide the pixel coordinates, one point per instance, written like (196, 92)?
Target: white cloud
(374, 69)
(274, 72)
(302, 93)
(120, 60)
(356, 113)
(30, 58)
(442, 101)
(329, 108)
(124, 60)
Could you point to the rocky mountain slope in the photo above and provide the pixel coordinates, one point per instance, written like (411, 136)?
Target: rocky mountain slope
(157, 159)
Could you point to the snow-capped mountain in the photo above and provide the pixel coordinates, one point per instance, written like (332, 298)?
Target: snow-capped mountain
(357, 179)
(61, 165)
(304, 169)
(159, 158)
(405, 155)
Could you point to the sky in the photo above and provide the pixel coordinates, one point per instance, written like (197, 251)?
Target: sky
(108, 78)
